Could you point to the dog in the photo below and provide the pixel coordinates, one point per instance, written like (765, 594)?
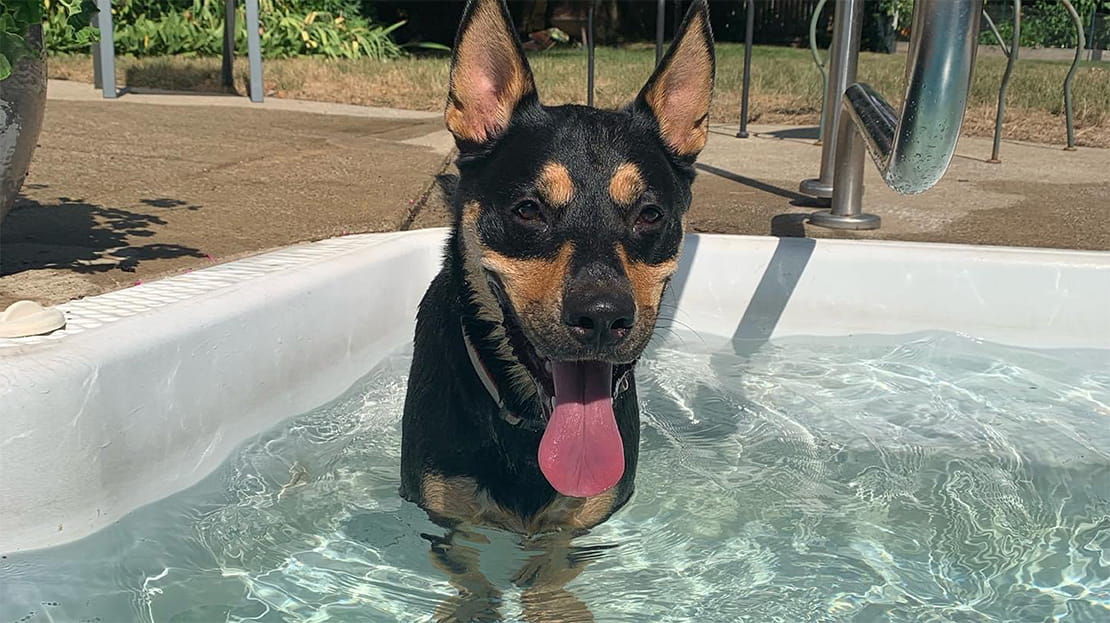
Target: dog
(521, 411)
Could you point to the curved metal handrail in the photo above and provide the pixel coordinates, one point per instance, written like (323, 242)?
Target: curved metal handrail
(913, 149)
(1012, 53)
(1069, 118)
(816, 17)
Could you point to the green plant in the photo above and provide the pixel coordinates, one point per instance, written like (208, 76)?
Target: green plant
(72, 17)
(1044, 23)
(331, 28)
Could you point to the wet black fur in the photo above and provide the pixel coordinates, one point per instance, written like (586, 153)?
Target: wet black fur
(451, 425)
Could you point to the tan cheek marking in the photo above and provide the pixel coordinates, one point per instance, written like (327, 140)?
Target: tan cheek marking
(647, 279)
(531, 282)
(555, 185)
(478, 109)
(627, 184)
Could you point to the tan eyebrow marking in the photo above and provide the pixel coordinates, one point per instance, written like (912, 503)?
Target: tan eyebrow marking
(627, 184)
(555, 185)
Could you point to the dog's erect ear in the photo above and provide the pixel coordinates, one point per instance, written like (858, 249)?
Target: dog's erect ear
(490, 77)
(677, 95)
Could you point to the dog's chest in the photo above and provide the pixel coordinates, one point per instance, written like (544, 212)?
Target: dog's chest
(459, 498)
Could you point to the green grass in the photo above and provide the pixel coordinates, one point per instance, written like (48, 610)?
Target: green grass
(785, 85)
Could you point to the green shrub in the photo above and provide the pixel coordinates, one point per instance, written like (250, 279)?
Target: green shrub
(71, 19)
(1044, 23)
(331, 28)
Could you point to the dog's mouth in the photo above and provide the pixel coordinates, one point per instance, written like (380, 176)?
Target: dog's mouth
(581, 453)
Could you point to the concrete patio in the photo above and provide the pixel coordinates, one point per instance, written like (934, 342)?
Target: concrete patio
(156, 184)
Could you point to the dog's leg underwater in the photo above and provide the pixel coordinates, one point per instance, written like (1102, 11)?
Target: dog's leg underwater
(478, 598)
(544, 579)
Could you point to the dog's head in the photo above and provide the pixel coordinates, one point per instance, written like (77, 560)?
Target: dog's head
(569, 219)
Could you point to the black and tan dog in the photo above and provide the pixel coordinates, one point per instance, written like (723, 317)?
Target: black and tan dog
(521, 410)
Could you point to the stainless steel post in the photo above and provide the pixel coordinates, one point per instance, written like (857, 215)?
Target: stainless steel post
(1091, 33)
(847, 198)
(1011, 59)
(107, 56)
(1080, 43)
(749, 33)
(254, 51)
(660, 17)
(816, 17)
(590, 54)
(95, 48)
(843, 57)
(912, 150)
(227, 69)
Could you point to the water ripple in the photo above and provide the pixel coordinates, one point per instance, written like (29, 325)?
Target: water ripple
(918, 478)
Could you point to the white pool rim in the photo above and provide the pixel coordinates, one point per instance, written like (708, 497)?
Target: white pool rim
(150, 388)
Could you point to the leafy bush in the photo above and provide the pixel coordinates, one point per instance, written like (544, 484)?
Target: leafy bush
(331, 28)
(1044, 23)
(70, 16)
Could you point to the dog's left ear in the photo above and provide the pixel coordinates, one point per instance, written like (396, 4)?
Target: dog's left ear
(677, 95)
(490, 78)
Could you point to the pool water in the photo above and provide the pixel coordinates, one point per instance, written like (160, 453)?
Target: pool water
(928, 477)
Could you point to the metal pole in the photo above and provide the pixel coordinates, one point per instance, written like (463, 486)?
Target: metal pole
(677, 19)
(229, 45)
(820, 64)
(1091, 33)
(997, 35)
(843, 57)
(107, 56)
(1011, 60)
(911, 148)
(660, 17)
(590, 54)
(254, 50)
(98, 82)
(1080, 44)
(847, 199)
(749, 29)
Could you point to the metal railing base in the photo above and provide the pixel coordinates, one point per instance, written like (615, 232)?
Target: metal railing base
(814, 187)
(854, 222)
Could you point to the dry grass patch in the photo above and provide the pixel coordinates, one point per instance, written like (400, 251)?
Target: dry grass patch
(785, 85)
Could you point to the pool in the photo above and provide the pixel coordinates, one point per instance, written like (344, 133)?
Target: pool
(832, 431)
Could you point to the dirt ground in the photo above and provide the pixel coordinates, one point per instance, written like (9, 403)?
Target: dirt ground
(151, 185)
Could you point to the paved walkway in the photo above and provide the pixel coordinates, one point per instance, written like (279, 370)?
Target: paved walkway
(156, 184)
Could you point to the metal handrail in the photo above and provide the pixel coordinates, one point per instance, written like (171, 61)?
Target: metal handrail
(817, 60)
(1069, 118)
(1012, 54)
(914, 153)
(914, 148)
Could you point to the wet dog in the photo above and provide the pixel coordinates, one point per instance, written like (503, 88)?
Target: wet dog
(521, 410)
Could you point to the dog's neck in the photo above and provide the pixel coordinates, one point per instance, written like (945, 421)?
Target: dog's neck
(490, 384)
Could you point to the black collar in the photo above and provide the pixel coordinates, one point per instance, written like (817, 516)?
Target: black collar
(619, 387)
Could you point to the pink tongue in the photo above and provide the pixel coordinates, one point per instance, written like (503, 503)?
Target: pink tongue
(581, 453)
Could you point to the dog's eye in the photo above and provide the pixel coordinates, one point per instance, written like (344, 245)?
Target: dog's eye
(649, 215)
(528, 211)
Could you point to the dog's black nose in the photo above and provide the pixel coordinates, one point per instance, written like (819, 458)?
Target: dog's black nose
(599, 319)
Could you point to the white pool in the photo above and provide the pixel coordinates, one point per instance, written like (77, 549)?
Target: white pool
(151, 389)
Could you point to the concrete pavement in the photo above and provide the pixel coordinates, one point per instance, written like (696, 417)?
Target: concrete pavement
(155, 184)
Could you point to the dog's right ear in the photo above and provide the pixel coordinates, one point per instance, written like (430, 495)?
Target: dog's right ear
(677, 95)
(490, 78)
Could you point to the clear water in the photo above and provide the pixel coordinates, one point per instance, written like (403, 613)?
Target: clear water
(920, 478)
